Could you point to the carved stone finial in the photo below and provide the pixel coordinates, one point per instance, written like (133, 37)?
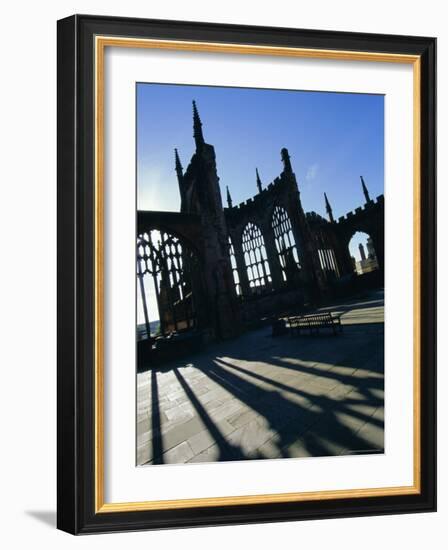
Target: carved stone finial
(286, 159)
(229, 198)
(328, 208)
(259, 185)
(179, 169)
(365, 190)
(197, 127)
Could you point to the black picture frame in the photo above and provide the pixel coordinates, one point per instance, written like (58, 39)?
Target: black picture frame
(76, 286)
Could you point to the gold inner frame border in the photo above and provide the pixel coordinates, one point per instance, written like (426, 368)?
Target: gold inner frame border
(101, 42)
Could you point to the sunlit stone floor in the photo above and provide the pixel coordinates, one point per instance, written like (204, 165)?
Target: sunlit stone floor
(261, 397)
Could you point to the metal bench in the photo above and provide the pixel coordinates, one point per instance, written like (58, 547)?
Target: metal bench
(315, 321)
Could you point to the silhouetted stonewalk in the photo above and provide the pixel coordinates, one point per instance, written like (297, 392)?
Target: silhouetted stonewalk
(260, 397)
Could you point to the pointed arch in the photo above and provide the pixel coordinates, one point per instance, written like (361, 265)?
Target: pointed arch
(285, 243)
(255, 258)
(362, 253)
(172, 266)
(236, 275)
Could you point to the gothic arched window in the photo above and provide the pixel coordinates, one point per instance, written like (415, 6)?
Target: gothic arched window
(171, 265)
(255, 258)
(327, 256)
(236, 276)
(284, 240)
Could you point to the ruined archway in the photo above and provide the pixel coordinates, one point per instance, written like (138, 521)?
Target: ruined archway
(169, 284)
(233, 264)
(362, 253)
(285, 245)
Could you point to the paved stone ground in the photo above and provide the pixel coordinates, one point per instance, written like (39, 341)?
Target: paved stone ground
(261, 397)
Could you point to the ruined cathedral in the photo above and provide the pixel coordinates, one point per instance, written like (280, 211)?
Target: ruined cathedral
(217, 270)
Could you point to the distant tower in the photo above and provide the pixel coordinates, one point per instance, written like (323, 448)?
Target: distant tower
(258, 180)
(197, 128)
(370, 249)
(286, 159)
(365, 191)
(361, 251)
(229, 198)
(328, 208)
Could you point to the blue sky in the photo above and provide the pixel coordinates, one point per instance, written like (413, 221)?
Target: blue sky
(332, 138)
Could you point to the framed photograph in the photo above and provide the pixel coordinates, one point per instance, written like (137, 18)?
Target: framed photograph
(246, 271)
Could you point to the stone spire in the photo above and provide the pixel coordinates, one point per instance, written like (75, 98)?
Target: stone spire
(258, 180)
(179, 169)
(286, 161)
(365, 190)
(197, 128)
(328, 208)
(229, 198)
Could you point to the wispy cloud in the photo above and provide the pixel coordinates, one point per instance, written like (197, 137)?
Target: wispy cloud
(312, 172)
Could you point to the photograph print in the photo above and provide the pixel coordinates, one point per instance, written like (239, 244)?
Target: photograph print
(259, 274)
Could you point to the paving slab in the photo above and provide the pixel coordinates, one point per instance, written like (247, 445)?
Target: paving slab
(260, 397)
